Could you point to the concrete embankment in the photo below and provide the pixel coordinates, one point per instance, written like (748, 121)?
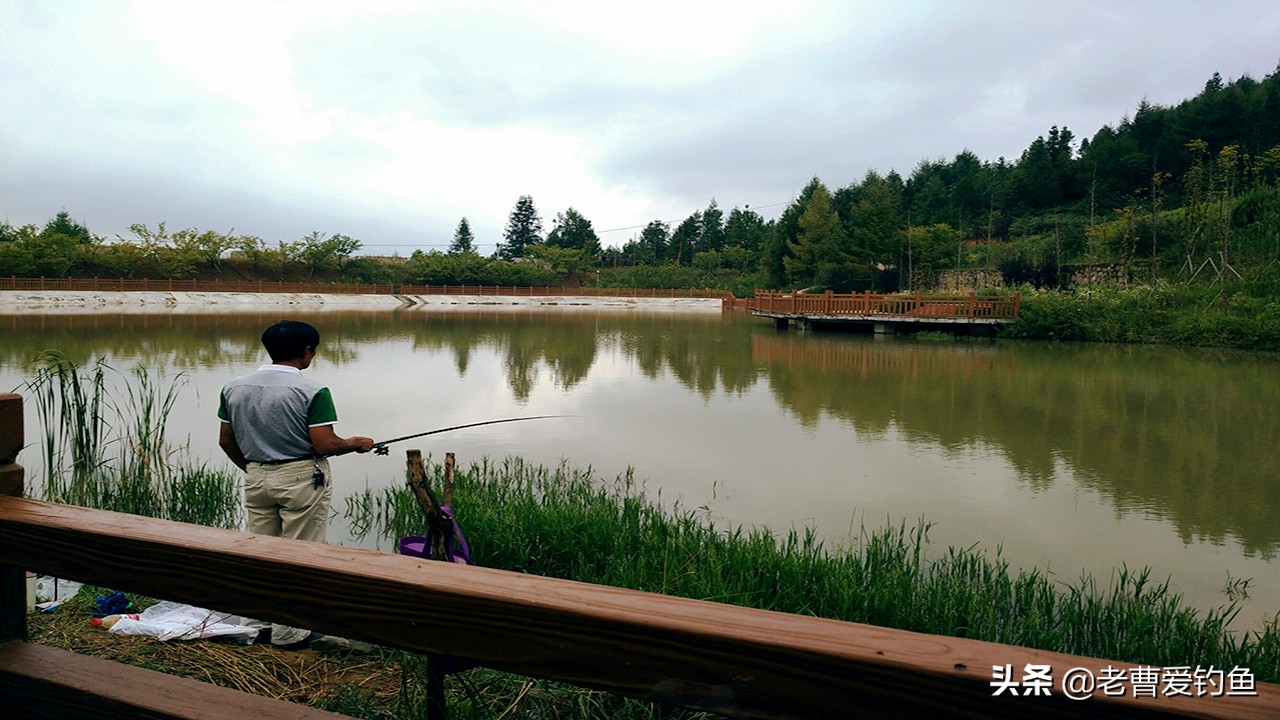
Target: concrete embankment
(76, 301)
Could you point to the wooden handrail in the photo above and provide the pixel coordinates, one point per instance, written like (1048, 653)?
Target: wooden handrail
(732, 660)
(915, 305)
(259, 286)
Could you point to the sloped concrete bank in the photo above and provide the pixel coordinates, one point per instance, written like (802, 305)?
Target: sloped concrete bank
(72, 301)
(559, 302)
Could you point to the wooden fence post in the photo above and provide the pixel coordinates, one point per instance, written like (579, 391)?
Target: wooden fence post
(13, 579)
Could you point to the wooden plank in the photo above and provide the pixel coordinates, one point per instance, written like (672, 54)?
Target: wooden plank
(11, 479)
(736, 661)
(11, 434)
(13, 581)
(44, 682)
(13, 603)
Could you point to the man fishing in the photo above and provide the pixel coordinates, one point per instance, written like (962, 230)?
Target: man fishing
(278, 427)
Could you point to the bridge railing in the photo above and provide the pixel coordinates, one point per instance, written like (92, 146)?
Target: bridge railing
(736, 661)
(867, 304)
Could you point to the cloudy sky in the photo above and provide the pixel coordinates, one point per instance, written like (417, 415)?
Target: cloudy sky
(389, 120)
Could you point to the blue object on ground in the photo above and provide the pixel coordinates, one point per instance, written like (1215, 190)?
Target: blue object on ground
(112, 604)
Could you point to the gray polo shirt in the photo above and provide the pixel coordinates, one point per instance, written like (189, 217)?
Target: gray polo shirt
(271, 410)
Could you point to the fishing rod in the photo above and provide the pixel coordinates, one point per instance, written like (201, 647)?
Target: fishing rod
(380, 448)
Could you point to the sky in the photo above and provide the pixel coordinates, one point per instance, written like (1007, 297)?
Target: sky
(390, 120)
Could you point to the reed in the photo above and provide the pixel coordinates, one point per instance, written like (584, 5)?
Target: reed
(567, 522)
(112, 454)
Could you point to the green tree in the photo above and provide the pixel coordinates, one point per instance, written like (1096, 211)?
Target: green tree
(1036, 179)
(874, 220)
(204, 248)
(574, 232)
(524, 228)
(745, 229)
(711, 235)
(62, 224)
(817, 249)
(253, 250)
(33, 253)
(785, 232)
(654, 241)
(319, 251)
(927, 247)
(685, 238)
(927, 194)
(159, 253)
(564, 260)
(463, 239)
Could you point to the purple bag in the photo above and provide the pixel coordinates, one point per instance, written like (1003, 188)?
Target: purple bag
(456, 547)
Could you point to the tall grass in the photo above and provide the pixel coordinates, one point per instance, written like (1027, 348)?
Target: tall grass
(1247, 318)
(568, 523)
(113, 455)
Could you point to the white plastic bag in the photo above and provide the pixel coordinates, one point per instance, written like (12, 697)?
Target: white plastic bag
(51, 588)
(175, 621)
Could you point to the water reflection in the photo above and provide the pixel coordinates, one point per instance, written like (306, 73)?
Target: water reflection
(1182, 435)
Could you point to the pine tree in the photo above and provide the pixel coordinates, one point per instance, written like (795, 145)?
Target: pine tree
(816, 250)
(62, 224)
(524, 228)
(463, 239)
(573, 231)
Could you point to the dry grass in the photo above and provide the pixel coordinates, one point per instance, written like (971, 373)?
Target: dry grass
(382, 684)
(301, 676)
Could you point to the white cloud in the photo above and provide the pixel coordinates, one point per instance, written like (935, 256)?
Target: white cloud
(389, 120)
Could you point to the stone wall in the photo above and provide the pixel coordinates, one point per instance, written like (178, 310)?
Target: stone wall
(1096, 274)
(963, 281)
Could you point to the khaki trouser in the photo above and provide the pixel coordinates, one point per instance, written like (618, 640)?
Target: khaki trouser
(282, 500)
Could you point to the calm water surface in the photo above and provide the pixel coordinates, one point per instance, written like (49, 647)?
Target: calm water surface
(1069, 458)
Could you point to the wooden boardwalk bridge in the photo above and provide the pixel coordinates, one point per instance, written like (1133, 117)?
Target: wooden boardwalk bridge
(885, 313)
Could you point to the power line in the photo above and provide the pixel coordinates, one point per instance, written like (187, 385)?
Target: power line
(633, 227)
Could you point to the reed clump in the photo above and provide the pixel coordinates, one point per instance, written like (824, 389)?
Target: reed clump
(566, 522)
(103, 445)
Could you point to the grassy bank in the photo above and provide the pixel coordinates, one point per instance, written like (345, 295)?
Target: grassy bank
(1246, 317)
(564, 522)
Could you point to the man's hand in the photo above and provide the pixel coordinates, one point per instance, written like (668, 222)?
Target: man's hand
(327, 443)
(227, 441)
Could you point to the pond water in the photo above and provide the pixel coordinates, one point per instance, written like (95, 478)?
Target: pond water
(1069, 458)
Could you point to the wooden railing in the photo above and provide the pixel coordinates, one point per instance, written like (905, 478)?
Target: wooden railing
(917, 305)
(261, 286)
(230, 286)
(732, 660)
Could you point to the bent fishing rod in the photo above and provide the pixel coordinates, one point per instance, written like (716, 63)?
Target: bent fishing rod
(380, 448)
